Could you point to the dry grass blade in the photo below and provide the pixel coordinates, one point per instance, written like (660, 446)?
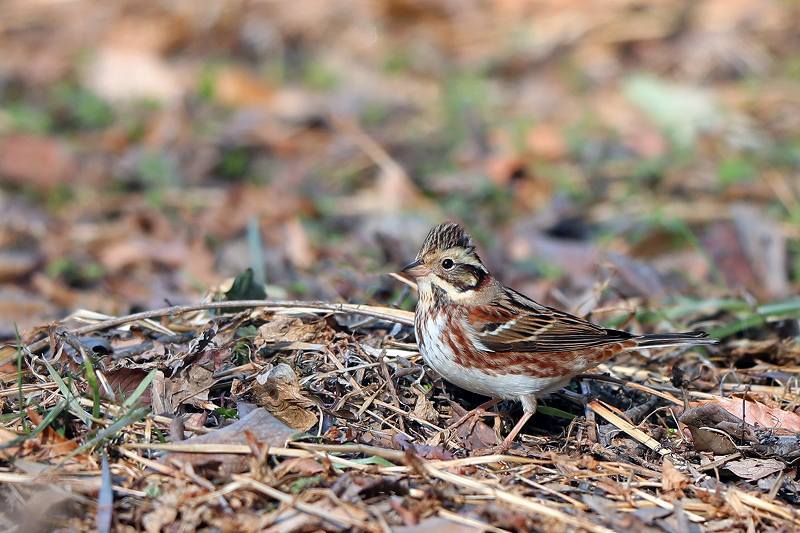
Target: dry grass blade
(514, 499)
(385, 313)
(627, 427)
(339, 520)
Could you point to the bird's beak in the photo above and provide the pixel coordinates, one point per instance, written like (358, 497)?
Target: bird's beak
(415, 269)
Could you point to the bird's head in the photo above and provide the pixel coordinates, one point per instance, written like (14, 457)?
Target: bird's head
(447, 260)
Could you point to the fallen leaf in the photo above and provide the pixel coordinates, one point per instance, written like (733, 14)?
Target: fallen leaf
(728, 427)
(424, 408)
(474, 437)
(40, 162)
(671, 478)
(436, 524)
(265, 428)
(236, 87)
(760, 415)
(192, 387)
(277, 389)
(426, 451)
(119, 255)
(302, 466)
(754, 469)
(285, 329)
(123, 381)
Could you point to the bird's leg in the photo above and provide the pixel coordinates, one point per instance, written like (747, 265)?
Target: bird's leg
(529, 409)
(475, 414)
(509, 440)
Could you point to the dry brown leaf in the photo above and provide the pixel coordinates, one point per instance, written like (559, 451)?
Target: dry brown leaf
(277, 389)
(474, 437)
(265, 428)
(760, 415)
(424, 408)
(286, 329)
(192, 387)
(302, 466)
(40, 162)
(119, 255)
(754, 469)
(237, 87)
(671, 478)
(123, 381)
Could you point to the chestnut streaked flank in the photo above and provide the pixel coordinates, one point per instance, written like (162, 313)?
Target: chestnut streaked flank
(491, 340)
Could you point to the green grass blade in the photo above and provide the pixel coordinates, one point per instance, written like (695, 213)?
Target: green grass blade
(74, 406)
(552, 411)
(130, 400)
(125, 420)
(91, 379)
(46, 421)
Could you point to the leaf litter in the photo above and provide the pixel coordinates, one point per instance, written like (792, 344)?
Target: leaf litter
(332, 402)
(614, 158)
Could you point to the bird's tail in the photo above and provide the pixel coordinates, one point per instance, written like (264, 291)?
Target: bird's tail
(664, 340)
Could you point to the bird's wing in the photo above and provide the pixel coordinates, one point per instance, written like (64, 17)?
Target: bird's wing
(515, 323)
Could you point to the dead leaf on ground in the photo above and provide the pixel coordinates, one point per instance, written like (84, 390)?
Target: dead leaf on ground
(123, 381)
(671, 478)
(122, 74)
(277, 389)
(40, 162)
(423, 408)
(754, 469)
(192, 387)
(473, 437)
(724, 428)
(285, 329)
(299, 466)
(436, 524)
(265, 428)
(761, 415)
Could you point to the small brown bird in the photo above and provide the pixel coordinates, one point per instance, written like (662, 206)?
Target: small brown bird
(491, 340)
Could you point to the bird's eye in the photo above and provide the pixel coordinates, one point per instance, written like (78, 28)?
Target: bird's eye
(447, 264)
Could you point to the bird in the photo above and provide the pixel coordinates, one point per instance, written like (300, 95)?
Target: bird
(491, 340)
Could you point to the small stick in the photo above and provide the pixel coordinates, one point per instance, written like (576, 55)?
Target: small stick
(385, 313)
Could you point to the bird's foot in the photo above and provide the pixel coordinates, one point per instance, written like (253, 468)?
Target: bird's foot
(473, 416)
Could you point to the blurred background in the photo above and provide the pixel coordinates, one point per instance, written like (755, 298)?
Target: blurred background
(617, 153)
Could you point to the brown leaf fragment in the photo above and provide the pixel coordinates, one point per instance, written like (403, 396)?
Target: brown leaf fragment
(435, 453)
(712, 429)
(34, 161)
(123, 381)
(435, 524)
(192, 388)
(761, 415)
(754, 469)
(671, 478)
(285, 329)
(264, 427)
(424, 408)
(277, 389)
(165, 513)
(302, 466)
(478, 436)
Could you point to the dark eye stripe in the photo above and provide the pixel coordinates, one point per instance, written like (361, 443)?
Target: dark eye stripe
(476, 278)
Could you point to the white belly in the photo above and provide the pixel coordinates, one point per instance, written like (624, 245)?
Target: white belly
(438, 356)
